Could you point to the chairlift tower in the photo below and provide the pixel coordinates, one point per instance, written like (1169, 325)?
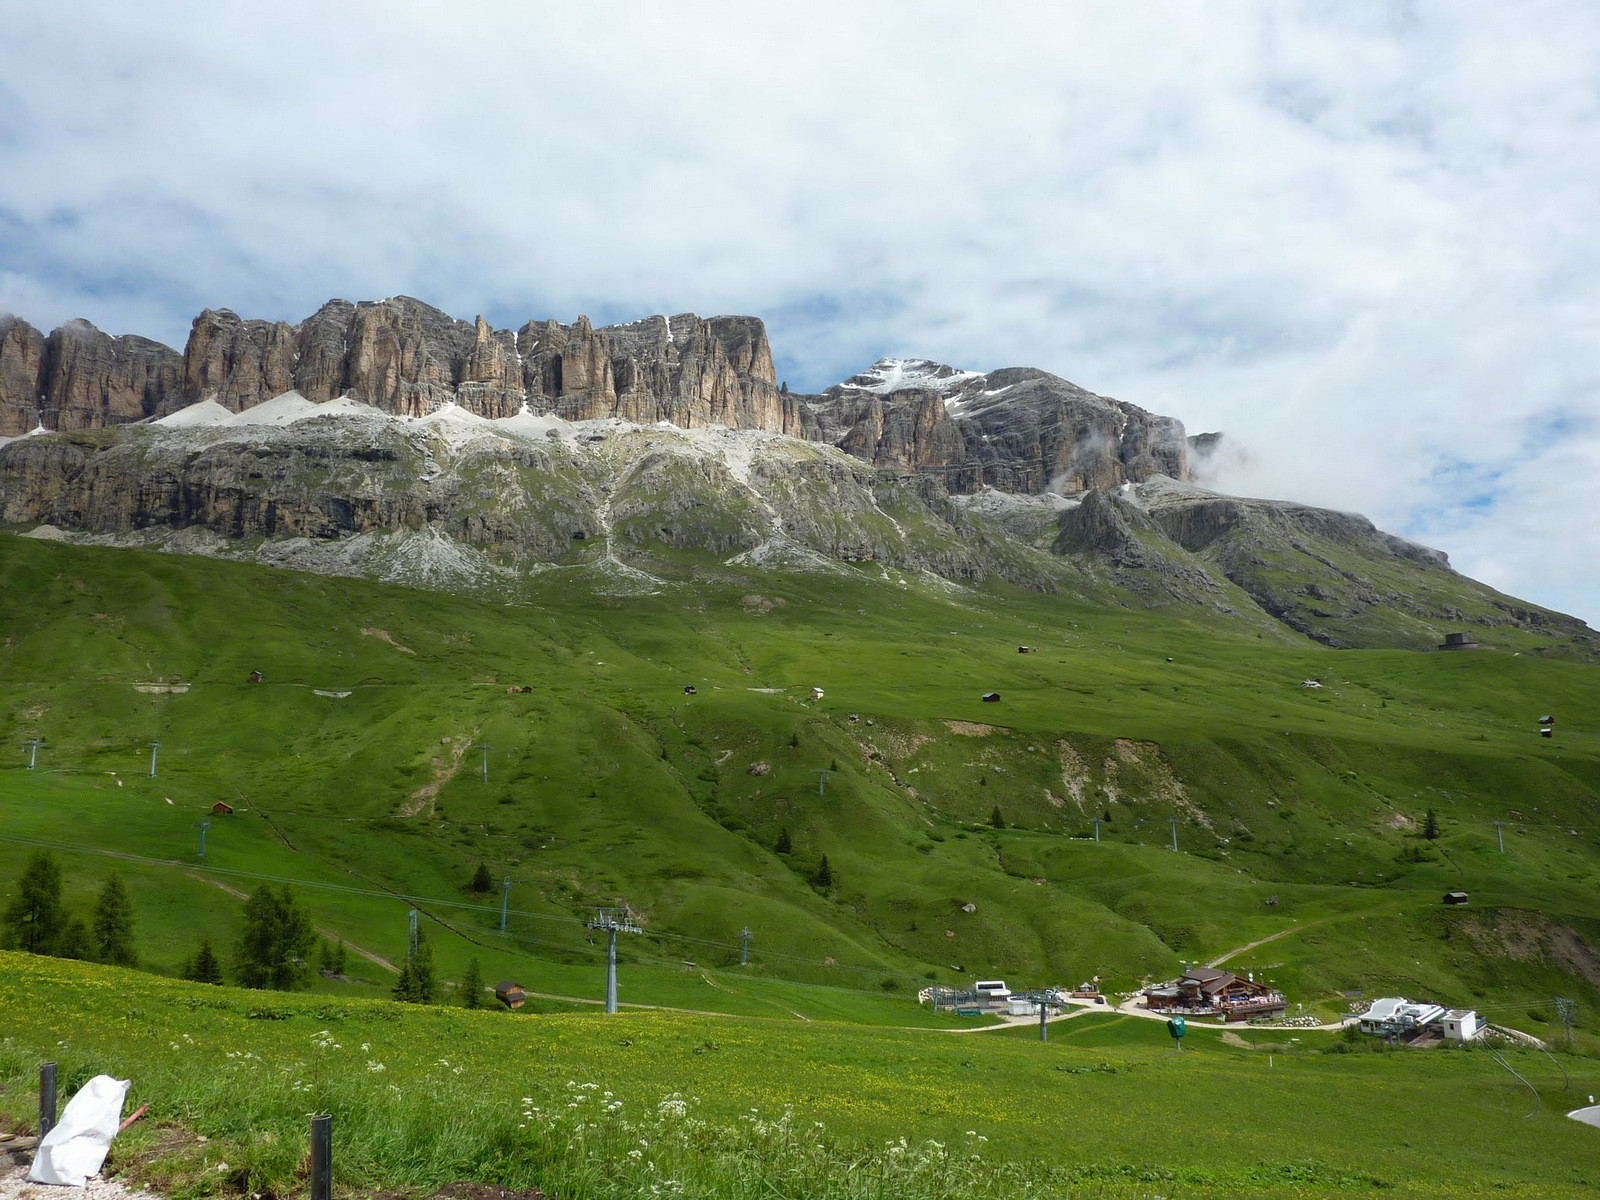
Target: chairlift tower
(485, 750)
(1500, 835)
(505, 900)
(1096, 821)
(411, 935)
(33, 745)
(1565, 1009)
(1173, 821)
(154, 746)
(822, 774)
(203, 826)
(744, 946)
(613, 921)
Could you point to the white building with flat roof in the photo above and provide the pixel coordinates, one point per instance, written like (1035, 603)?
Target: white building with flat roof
(1461, 1024)
(1393, 1015)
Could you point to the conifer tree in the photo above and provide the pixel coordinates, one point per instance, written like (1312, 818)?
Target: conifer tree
(340, 958)
(997, 819)
(1430, 825)
(783, 844)
(423, 979)
(113, 925)
(482, 881)
(472, 986)
(823, 879)
(275, 946)
(204, 967)
(405, 988)
(74, 940)
(34, 918)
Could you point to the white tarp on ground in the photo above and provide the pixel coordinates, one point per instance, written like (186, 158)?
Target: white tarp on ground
(73, 1151)
(1589, 1116)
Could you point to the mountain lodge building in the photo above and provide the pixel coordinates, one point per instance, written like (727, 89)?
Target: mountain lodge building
(1206, 990)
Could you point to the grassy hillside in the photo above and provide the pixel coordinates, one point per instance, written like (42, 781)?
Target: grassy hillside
(350, 772)
(649, 1104)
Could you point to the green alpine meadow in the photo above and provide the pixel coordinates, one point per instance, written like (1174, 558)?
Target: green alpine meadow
(505, 766)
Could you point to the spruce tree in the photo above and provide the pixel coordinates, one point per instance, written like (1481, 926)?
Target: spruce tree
(325, 957)
(472, 986)
(1430, 825)
(34, 918)
(405, 989)
(783, 844)
(113, 925)
(274, 948)
(340, 958)
(482, 881)
(424, 982)
(823, 879)
(997, 819)
(74, 940)
(204, 967)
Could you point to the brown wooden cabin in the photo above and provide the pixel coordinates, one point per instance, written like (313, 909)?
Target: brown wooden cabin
(221, 809)
(1203, 989)
(510, 994)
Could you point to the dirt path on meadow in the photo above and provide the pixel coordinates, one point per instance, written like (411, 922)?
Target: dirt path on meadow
(1271, 937)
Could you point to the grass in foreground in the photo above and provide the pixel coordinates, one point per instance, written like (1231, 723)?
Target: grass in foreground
(666, 1104)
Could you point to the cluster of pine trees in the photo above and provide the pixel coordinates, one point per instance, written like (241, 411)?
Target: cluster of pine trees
(38, 921)
(276, 948)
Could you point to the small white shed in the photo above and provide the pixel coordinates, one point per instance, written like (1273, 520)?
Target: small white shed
(1021, 1006)
(1460, 1025)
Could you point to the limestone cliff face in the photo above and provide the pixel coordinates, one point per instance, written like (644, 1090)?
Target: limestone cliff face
(21, 376)
(81, 378)
(1018, 430)
(406, 358)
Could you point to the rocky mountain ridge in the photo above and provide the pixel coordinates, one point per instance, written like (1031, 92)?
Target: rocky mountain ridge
(1019, 429)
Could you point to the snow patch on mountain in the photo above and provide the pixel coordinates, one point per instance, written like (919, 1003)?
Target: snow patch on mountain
(895, 374)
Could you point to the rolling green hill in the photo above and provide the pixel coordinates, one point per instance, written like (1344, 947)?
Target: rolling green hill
(349, 770)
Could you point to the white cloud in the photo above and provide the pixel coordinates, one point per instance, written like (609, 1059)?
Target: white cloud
(1357, 237)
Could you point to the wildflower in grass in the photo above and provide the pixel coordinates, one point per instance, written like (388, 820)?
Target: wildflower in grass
(375, 1067)
(673, 1106)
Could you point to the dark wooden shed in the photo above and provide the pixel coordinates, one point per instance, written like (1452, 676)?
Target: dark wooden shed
(991, 697)
(1455, 897)
(221, 809)
(510, 994)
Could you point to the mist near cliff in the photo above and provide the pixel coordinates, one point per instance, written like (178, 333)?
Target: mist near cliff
(1358, 238)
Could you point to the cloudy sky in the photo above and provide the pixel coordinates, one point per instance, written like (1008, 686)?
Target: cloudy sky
(1360, 238)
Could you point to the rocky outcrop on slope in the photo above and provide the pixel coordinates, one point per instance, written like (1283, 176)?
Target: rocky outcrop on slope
(451, 499)
(1016, 429)
(1334, 576)
(520, 492)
